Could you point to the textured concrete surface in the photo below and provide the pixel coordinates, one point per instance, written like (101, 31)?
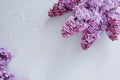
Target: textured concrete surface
(41, 53)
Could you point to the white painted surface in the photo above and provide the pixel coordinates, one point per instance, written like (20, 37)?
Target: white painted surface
(41, 53)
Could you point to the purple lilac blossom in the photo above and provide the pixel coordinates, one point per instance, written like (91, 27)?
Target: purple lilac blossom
(92, 17)
(90, 35)
(113, 27)
(62, 7)
(80, 20)
(5, 75)
(5, 57)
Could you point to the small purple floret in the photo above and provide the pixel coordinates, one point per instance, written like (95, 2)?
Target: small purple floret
(5, 75)
(5, 57)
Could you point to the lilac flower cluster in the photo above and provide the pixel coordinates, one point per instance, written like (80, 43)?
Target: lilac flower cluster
(5, 58)
(5, 75)
(90, 35)
(92, 17)
(62, 7)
